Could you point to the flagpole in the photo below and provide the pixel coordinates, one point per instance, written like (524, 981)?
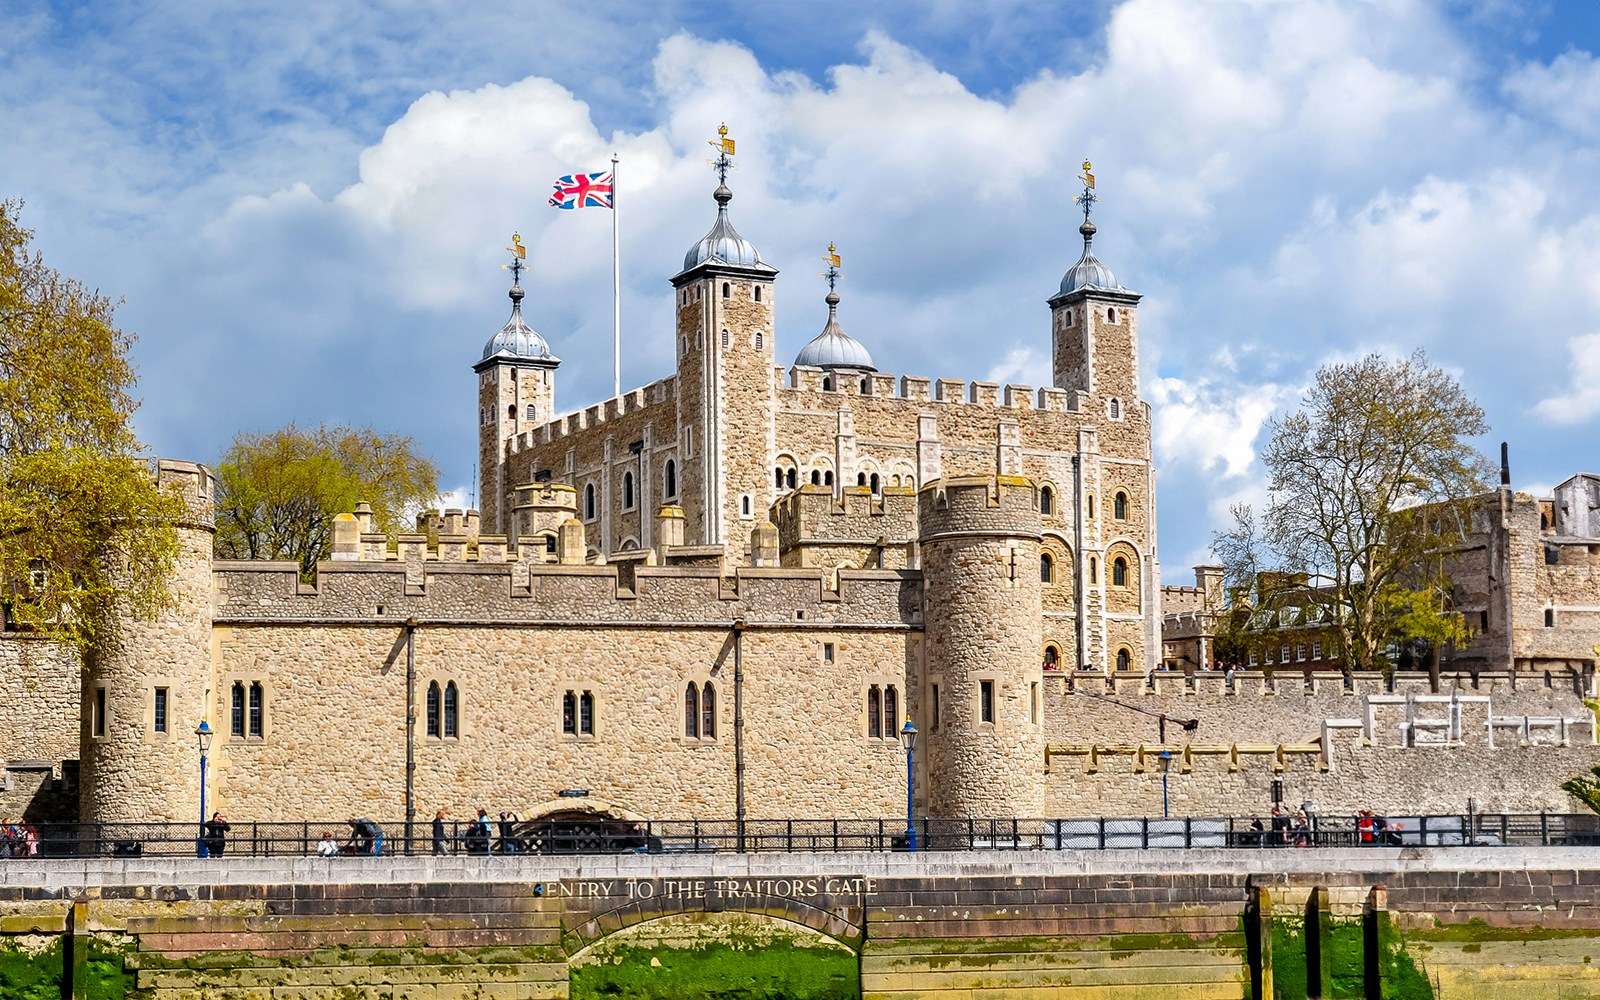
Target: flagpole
(616, 291)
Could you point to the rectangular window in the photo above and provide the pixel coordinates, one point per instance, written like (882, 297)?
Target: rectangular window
(688, 442)
(586, 714)
(161, 710)
(569, 713)
(827, 652)
(986, 701)
(1283, 655)
(99, 711)
(1549, 617)
(933, 699)
(236, 710)
(1253, 658)
(1316, 650)
(1300, 653)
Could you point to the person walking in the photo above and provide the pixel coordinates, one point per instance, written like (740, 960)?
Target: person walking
(216, 835)
(439, 844)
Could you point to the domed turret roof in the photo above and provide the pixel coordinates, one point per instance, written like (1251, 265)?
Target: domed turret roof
(833, 348)
(723, 244)
(1088, 272)
(517, 341)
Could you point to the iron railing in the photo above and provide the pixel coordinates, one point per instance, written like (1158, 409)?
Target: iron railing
(58, 840)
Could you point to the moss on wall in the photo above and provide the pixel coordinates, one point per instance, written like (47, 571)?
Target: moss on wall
(776, 971)
(36, 975)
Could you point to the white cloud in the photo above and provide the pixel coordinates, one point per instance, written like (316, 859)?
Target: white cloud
(1581, 402)
(1566, 91)
(1211, 425)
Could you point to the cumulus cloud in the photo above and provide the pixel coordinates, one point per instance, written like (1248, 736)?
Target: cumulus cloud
(1581, 401)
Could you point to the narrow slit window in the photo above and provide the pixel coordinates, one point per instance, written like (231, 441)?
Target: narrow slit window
(258, 699)
(691, 711)
(586, 714)
(236, 710)
(99, 711)
(431, 713)
(671, 478)
(891, 712)
(160, 714)
(933, 692)
(986, 701)
(708, 712)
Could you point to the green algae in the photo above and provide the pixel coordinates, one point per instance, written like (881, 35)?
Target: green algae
(776, 971)
(37, 975)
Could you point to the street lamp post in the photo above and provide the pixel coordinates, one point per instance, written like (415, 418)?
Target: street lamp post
(1166, 764)
(203, 734)
(908, 736)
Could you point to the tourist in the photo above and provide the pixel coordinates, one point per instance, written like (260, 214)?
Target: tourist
(1302, 829)
(366, 837)
(327, 847)
(30, 839)
(1366, 827)
(1257, 837)
(216, 835)
(1280, 827)
(508, 841)
(477, 835)
(439, 845)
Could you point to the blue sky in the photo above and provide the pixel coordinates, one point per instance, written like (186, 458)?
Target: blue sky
(304, 208)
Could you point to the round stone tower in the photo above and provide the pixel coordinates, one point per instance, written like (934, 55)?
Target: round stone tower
(979, 538)
(149, 684)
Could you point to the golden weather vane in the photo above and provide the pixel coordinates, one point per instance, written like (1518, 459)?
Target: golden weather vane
(724, 147)
(519, 254)
(833, 260)
(1088, 198)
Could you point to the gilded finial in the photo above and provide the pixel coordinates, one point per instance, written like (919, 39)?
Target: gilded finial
(1088, 198)
(519, 256)
(833, 260)
(724, 147)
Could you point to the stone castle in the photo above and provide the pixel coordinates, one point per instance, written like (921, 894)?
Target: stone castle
(724, 593)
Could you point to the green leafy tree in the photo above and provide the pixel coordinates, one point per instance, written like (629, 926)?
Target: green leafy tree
(83, 525)
(1370, 482)
(278, 492)
(1585, 790)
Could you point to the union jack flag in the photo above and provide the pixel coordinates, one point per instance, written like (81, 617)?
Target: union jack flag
(582, 191)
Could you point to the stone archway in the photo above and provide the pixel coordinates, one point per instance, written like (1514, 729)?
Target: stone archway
(581, 826)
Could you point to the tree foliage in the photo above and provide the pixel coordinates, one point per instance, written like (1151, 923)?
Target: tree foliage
(278, 492)
(1370, 483)
(74, 481)
(1585, 790)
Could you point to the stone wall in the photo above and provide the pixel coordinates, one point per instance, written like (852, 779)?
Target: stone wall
(40, 684)
(1133, 924)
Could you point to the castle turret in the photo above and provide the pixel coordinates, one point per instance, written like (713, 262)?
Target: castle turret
(833, 350)
(149, 684)
(982, 617)
(516, 392)
(1094, 325)
(726, 381)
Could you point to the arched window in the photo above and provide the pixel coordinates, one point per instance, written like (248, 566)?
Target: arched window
(588, 502)
(670, 478)
(1052, 658)
(586, 713)
(861, 479)
(236, 714)
(873, 482)
(258, 698)
(816, 477)
(1114, 409)
(452, 711)
(1047, 500)
(864, 386)
(727, 290)
(827, 478)
(758, 293)
(827, 384)
(1094, 570)
(431, 712)
(891, 712)
(708, 712)
(874, 712)
(1111, 315)
(550, 545)
(758, 341)
(1124, 660)
(627, 490)
(744, 505)
(777, 478)
(1119, 572)
(727, 339)
(511, 411)
(691, 711)
(569, 712)
(789, 478)
(1047, 568)
(1119, 506)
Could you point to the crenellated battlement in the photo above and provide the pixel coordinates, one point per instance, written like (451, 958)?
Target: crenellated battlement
(961, 505)
(629, 403)
(916, 388)
(817, 528)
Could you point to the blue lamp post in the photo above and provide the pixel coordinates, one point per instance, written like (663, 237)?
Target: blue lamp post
(908, 736)
(203, 734)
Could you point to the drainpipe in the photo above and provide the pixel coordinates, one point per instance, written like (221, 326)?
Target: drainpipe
(738, 730)
(411, 727)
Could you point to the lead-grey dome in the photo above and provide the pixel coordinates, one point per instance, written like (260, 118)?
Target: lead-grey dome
(833, 348)
(1088, 272)
(517, 341)
(723, 244)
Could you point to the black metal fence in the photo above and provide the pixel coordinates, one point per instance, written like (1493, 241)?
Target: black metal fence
(545, 837)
